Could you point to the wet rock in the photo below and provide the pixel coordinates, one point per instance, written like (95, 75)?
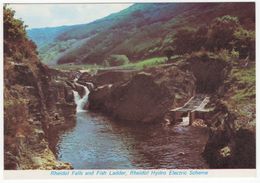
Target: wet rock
(90, 86)
(80, 89)
(145, 97)
(181, 153)
(99, 97)
(112, 77)
(85, 76)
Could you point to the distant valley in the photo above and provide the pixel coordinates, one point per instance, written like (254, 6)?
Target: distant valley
(139, 32)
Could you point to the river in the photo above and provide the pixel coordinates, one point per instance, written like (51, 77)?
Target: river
(97, 142)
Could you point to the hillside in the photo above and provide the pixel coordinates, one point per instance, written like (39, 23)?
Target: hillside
(139, 32)
(43, 36)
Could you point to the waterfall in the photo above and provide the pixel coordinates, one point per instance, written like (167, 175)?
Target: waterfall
(81, 102)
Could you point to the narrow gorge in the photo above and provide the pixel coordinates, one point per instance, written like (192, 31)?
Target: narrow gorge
(154, 86)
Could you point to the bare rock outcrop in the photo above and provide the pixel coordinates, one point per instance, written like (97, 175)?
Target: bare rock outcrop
(38, 103)
(145, 97)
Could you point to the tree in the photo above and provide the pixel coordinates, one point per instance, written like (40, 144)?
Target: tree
(221, 32)
(116, 60)
(13, 28)
(16, 43)
(184, 41)
(168, 52)
(200, 38)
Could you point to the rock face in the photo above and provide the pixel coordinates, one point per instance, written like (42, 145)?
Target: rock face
(38, 103)
(145, 97)
(107, 77)
(229, 145)
(209, 71)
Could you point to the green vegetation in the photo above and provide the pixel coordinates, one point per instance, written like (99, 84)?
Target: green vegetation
(13, 28)
(244, 43)
(51, 53)
(146, 30)
(145, 63)
(89, 67)
(224, 33)
(244, 83)
(116, 60)
(221, 32)
(245, 75)
(16, 44)
(44, 36)
(168, 52)
(94, 67)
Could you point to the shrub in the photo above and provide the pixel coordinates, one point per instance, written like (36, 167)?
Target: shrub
(184, 41)
(188, 40)
(244, 43)
(116, 60)
(224, 35)
(13, 28)
(16, 43)
(224, 55)
(234, 54)
(168, 52)
(200, 38)
(221, 32)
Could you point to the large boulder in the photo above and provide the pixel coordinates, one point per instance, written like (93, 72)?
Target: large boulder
(146, 97)
(112, 76)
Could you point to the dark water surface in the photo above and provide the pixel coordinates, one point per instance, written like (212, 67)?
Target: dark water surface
(98, 143)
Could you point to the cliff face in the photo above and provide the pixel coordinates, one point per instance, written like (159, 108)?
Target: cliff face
(36, 105)
(37, 102)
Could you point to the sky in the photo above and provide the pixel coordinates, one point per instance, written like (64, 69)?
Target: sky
(51, 15)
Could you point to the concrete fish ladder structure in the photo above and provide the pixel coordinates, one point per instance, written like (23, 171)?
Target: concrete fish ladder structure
(194, 108)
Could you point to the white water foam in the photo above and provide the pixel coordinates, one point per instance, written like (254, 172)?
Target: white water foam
(81, 102)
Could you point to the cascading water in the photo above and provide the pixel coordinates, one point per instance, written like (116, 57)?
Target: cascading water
(81, 102)
(96, 142)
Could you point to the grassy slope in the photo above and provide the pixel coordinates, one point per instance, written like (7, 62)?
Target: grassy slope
(241, 94)
(93, 67)
(245, 81)
(142, 30)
